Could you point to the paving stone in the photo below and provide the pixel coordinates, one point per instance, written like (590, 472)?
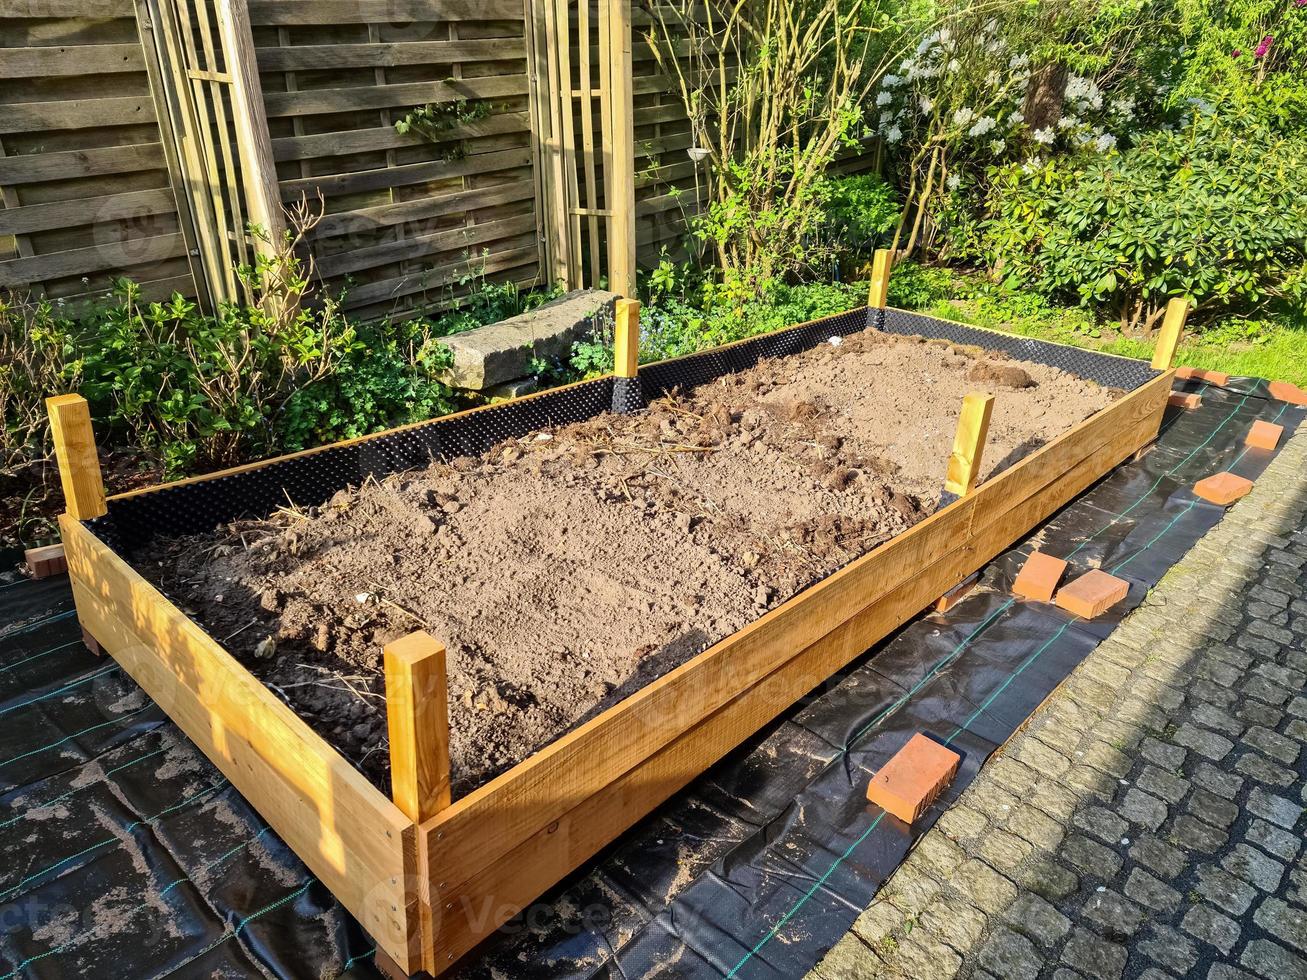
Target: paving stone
(1273, 744)
(1169, 862)
(1168, 947)
(992, 800)
(1254, 867)
(1038, 920)
(1298, 707)
(1287, 924)
(1114, 916)
(911, 887)
(1049, 880)
(1140, 808)
(1276, 634)
(1284, 676)
(1259, 768)
(1264, 690)
(1108, 759)
(922, 955)
(1151, 891)
(1297, 729)
(939, 853)
(1016, 776)
(1037, 827)
(1194, 835)
(850, 959)
(1221, 783)
(1212, 927)
(1210, 807)
(1008, 954)
(1274, 808)
(985, 887)
(1272, 961)
(1207, 744)
(1213, 717)
(1041, 757)
(1086, 781)
(1163, 754)
(1274, 840)
(1257, 713)
(1224, 890)
(1166, 785)
(962, 823)
(1090, 857)
(1003, 851)
(1101, 823)
(958, 924)
(1093, 956)
(880, 919)
(1055, 800)
(1223, 971)
(1212, 693)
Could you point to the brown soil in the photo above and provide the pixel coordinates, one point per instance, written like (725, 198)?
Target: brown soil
(571, 567)
(31, 499)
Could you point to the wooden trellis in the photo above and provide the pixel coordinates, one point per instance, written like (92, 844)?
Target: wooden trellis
(581, 60)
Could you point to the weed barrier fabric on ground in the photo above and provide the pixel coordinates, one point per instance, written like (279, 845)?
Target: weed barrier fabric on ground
(128, 855)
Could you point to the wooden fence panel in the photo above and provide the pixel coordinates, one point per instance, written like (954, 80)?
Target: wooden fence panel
(409, 222)
(83, 174)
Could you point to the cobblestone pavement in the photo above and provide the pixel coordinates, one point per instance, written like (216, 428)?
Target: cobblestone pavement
(1148, 822)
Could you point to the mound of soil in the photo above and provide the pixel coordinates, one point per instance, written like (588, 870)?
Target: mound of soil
(569, 568)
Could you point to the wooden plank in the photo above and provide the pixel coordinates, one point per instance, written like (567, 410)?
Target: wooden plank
(376, 139)
(626, 338)
(423, 246)
(355, 840)
(417, 720)
(969, 444)
(414, 173)
(319, 101)
(1177, 311)
(293, 13)
(42, 117)
(362, 221)
(93, 258)
(258, 170)
(66, 60)
(58, 9)
(74, 448)
(621, 136)
(302, 57)
(388, 290)
(69, 164)
(882, 265)
(85, 211)
(511, 808)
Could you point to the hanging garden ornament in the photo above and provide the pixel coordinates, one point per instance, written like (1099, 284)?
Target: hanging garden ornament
(698, 154)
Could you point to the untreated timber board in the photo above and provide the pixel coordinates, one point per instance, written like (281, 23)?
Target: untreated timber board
(350, 835)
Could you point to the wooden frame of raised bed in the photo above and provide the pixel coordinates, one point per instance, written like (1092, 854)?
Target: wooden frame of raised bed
(429, 879)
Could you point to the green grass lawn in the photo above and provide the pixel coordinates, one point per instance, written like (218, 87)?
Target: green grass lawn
(1272, 347)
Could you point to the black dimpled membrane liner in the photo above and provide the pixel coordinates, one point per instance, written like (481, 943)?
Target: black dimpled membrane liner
(311, 478)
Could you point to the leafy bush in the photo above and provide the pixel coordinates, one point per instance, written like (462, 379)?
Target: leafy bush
(1215, 212)
(861, 209)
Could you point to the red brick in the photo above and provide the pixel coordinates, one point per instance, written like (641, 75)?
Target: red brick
(1286, 392)
(1092, 594)
(1218, 378)
(91, 643)
(1264, 435)
(1185, 373)
(1038, 577)
(1223, 488)
(1184, 399)
(46, 562)
(956, 594)
(913, 779)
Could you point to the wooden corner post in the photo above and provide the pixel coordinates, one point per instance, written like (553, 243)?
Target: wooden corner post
(881, 265)
(1177, 311)
(968, 446)
(621, 134)
(74, 449)
(626, 338)
(417, 716)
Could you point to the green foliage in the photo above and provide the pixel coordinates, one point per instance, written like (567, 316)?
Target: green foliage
(1215, 212)
(860, 211)
(434, 122)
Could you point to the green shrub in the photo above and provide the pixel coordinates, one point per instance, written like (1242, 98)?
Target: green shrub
(1215, 212)
(861, 209)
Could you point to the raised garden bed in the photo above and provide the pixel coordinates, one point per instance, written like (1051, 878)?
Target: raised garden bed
(430, 884)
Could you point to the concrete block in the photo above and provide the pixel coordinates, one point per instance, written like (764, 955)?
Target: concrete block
(502, 352)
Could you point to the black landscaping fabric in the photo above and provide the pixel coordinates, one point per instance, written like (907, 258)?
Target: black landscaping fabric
(127, 854)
